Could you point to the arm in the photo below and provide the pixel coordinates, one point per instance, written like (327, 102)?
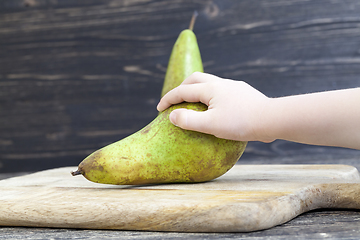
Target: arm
(239, 112)
(327, 118)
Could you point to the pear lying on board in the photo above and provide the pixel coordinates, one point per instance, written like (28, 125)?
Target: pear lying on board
(162, 152)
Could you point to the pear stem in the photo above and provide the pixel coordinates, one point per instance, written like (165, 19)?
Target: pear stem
(193, 18)
(77, 172)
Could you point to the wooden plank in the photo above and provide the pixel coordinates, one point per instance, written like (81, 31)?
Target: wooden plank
(313, 225)
(247, 198)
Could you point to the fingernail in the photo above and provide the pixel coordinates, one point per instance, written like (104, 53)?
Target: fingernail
(173, 118)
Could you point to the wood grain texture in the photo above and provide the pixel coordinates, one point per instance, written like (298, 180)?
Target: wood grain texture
(247, 198)
(76, 76)
(320, 224)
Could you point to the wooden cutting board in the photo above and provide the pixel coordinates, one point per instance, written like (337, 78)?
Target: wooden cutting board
(247, 198)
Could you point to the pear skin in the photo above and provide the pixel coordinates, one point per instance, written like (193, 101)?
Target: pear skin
(163, 153)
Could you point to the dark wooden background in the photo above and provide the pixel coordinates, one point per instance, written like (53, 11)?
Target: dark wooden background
(78, 75)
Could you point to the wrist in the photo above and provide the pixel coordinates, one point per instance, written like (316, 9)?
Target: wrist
(266, 121)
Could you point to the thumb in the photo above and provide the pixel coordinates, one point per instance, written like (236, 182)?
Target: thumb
(191, 120)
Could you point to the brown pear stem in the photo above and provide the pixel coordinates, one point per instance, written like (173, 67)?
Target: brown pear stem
(77, 172)
(193, 18)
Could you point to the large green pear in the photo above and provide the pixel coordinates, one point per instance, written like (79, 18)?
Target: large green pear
(163, 153)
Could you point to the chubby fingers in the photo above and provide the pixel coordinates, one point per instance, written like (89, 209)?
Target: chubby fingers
(192, 120)
(193, 89)
(184, 93)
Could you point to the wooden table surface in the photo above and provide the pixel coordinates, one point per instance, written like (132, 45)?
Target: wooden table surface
(77, 75)
(317, 224)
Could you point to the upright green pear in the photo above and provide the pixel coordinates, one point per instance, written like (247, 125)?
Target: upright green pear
(185, 59)
(162, 152)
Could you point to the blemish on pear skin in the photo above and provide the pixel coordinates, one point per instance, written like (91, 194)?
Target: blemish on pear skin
(232, 157)
(92, 162)
(146, 129)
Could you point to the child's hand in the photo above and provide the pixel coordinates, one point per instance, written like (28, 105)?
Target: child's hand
(234, 108)
(237, 111)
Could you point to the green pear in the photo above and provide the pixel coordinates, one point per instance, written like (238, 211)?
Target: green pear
(162, 152)
(185, 59)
